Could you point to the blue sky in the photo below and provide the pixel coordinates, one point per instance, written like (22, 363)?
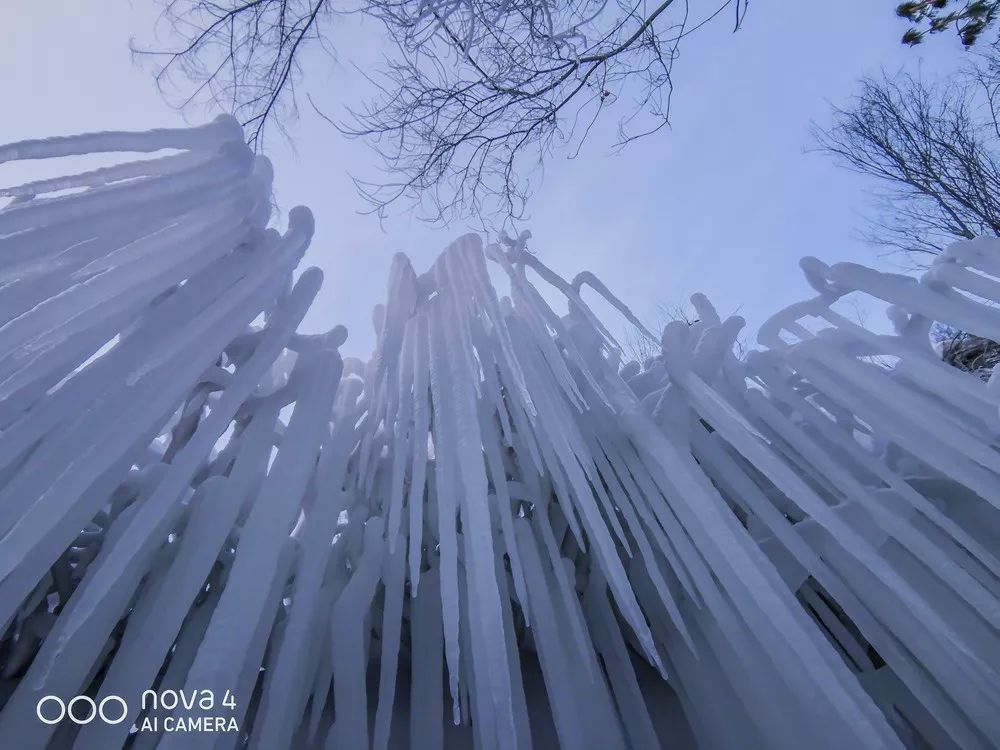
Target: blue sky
(725, 202)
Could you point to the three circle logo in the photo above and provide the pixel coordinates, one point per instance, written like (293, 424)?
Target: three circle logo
(51, 709)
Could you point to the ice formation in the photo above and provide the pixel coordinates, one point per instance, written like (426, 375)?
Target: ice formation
(494, 533)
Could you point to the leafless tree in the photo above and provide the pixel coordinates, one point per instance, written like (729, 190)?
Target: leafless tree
(934, 149)
(472, 95)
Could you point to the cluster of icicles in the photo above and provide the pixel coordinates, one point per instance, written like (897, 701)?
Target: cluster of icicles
(495, 533)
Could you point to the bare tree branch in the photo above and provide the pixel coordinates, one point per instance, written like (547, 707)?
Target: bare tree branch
(472, 96)
(242, 55)
(481, 93)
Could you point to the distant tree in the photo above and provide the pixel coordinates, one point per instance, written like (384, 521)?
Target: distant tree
(969, 18)
(934, 148)
(471, 95)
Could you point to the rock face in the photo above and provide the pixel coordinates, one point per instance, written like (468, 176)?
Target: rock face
(494, 533)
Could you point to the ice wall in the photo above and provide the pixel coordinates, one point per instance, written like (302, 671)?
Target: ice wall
(492, 534)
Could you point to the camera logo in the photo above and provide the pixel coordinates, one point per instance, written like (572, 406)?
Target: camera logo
(51, 709)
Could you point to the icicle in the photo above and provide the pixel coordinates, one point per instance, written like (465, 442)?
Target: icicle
(350, 731)
(421, 428)
(223, 129)
(389, 671)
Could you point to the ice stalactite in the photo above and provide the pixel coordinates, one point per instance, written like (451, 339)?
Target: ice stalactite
(494, 533)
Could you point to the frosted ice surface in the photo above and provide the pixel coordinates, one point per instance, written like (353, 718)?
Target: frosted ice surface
(496, 533)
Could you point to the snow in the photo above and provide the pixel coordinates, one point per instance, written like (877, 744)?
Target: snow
(495, 533)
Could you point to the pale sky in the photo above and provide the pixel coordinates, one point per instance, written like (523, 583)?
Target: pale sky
(724, 203)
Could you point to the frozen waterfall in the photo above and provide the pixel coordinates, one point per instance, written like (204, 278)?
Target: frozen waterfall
(495, 533)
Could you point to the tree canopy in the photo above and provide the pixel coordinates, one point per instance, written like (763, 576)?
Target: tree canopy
(970, 18)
